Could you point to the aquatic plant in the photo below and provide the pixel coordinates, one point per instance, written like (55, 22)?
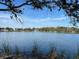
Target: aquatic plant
(77, 55)
(6, 48)
(35, 50)
(36, 53)
(53, 53)
(17, 51)
(62, 55)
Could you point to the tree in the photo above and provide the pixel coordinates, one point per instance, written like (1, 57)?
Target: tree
(71, 7)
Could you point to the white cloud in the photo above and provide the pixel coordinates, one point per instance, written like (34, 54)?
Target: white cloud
(30, 22)
(27, 20)
(4, 16)
(49, 19)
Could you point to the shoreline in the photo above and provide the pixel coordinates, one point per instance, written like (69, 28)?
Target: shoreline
(42, 32)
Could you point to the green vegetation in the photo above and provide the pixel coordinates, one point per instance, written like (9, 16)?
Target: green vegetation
(6, 49)
(7, 52)
(59, 29)
(43, 29)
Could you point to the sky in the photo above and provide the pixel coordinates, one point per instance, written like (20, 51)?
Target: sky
(35, 18)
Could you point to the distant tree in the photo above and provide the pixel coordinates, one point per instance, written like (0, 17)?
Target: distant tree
(71, 7)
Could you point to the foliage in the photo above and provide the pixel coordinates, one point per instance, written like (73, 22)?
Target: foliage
(71, 7)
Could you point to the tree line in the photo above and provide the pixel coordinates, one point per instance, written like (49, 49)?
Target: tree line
(43, 29)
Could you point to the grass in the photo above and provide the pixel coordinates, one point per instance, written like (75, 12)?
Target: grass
(6, 49)
(35, 53)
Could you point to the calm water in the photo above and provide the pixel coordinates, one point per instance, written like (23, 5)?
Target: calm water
(25, 40)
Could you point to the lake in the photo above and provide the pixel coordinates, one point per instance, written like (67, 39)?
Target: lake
(25, 40)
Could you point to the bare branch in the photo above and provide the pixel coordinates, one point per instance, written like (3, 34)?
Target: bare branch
(3, 3)
(4, 9)
(23, 4)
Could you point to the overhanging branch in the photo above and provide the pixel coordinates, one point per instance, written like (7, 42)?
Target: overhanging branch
(23, 4)
(3, 3)
(4, 9)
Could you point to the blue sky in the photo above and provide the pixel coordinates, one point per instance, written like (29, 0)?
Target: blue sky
(36, 18)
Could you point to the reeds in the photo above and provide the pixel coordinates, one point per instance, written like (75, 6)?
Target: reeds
(36, 53)
(6, 49)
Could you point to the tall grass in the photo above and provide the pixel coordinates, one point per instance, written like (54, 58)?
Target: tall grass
(6, 49)
(35, 53)
(77, 55)
(17, 51)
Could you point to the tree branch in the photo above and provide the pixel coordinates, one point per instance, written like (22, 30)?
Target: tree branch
(23, 4)
(4, 9)
(3, 3)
